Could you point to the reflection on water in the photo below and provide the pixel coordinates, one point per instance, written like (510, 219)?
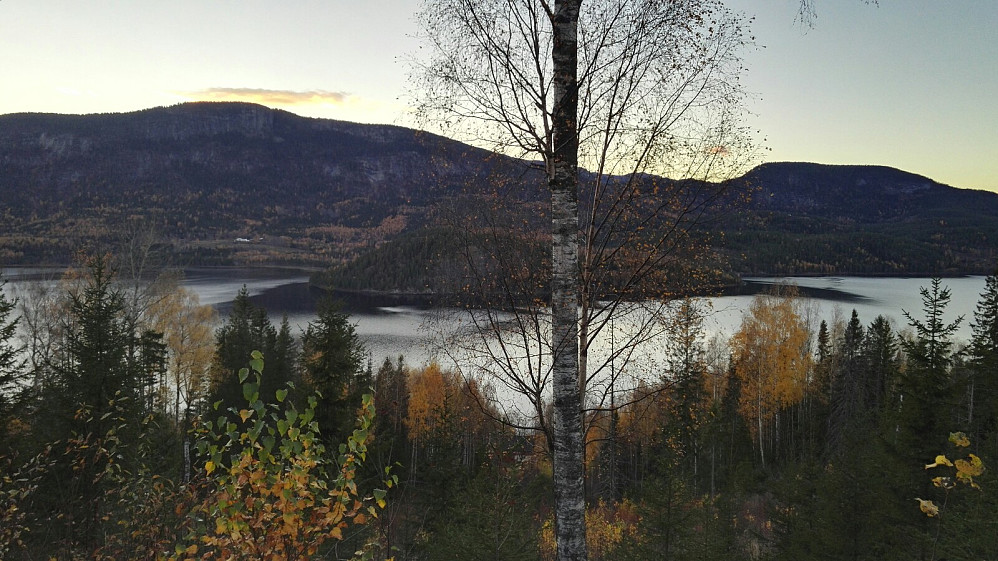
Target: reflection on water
(389, 327)
(218, 286)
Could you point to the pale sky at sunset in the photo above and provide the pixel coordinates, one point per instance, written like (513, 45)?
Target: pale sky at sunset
(911, 84)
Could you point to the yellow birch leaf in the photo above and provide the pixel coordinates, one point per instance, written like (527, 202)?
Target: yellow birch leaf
(959, 439)
(944, 482)
(928, 507)
(940, 461)
(209, 466)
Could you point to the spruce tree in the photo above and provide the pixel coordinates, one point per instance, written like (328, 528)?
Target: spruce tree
(983, 363)
(824, 341)
(89, 415)
(102, 355)
(282, 363)
(247, 329)
(881, 355)
(333, 363)
(11, 362)
(925, 392)
(847, 395)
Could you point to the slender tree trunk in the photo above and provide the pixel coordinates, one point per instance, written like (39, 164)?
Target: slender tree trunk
(713, 461)
(762, 444)
(564, 183)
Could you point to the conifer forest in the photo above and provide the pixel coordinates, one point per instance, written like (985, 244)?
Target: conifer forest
(137, 424)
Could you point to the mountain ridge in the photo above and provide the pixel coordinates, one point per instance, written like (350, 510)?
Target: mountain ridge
(320, 192)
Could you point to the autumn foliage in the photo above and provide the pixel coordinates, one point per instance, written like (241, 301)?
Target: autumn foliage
(274, 493)
(772, 360)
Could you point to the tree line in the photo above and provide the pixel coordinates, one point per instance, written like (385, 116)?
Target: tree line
(135, 424)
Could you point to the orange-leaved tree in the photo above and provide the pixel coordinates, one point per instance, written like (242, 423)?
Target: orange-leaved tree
(274, 493)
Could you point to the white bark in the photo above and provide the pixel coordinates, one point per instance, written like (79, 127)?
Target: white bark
(568, 445)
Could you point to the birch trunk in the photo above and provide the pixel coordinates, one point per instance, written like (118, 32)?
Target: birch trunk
(564, 183)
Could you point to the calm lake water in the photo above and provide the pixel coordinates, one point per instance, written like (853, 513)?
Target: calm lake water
(390, 330)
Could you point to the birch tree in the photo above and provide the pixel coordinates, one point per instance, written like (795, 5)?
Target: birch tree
(186, 326)
(772, 359)
(626, 89)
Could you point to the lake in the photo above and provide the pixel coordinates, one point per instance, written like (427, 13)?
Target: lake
(389, 329)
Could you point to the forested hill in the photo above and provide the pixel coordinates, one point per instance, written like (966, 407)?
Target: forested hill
(320, 192)
(812, 218)
(205, 174)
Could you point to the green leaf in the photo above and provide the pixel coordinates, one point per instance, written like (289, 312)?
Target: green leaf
(281, 395)
(250, 392)
(243, 374)
(360, 436)
(256, 362)
(268, 445)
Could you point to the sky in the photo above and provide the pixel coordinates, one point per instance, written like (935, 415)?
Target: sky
(911, 84)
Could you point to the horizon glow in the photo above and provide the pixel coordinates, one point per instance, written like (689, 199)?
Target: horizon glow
(909, 85)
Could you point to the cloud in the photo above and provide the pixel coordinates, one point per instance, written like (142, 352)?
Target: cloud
(271, 97)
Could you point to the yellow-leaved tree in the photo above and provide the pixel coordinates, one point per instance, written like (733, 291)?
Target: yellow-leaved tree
(772, 361)
(443, 407)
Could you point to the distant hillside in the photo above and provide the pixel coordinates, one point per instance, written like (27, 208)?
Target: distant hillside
(820, 219)
(205, 174)
(226, 183)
